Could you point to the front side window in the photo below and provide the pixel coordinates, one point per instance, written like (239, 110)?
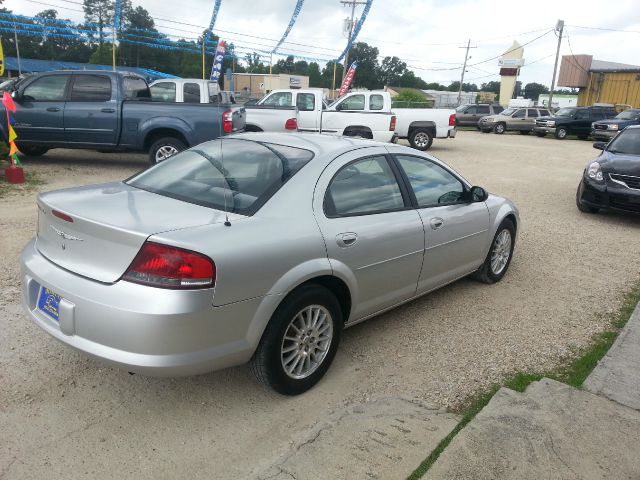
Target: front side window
(584, 114)
(163, 92)
(91, 88)
(354, 102)
(484, 109)
(279, 99)
(51, 88)
(520, 113)
(376, 102)
(306, 102)
(363, 187)
(544, 113)
(431, 184)
(135, 88)
(566, 112)
(471, 110)
(241, 181)
(191, 93)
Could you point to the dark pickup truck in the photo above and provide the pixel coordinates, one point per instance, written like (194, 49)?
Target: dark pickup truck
(111, 111)
(572, 121)
(605, 130)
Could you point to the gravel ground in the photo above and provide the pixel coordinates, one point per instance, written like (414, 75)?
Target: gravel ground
(75, 417)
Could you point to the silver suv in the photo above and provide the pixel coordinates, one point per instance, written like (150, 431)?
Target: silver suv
(468, 115)
(519, 119)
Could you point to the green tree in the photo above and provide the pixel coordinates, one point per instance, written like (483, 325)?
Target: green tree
(493, 86)
(410, 99)
(315, 76)
(533, 90)
(434, 86)
(466, 87)
(368, 68)
(392, 70)
(99, 12)
(102, 55)
(327, 75)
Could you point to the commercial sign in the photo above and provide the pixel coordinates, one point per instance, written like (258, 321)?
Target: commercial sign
(216, 68)
(511, 62)
(294, 81)
(348, 79)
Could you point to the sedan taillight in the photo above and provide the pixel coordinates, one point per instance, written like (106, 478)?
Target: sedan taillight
(163, 266)
(227, 121)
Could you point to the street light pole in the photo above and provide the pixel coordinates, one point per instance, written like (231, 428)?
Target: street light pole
(559, 29)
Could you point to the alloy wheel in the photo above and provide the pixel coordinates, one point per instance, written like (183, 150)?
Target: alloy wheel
(165, 152)
(421, 139)
(501, 252)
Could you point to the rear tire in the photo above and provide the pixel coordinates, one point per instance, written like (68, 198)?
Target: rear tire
(165, 148)
(496, 264)
(33, 151)
(500, 128)
(296, 334)
(584, 208)
(421, 139)
(561, 133)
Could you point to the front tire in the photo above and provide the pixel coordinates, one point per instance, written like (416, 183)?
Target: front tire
(498, 259)
(561, 133)
(300, 341)
(421, 139)
(165, 148)
(500, 128)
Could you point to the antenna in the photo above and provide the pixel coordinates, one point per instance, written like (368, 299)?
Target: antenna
(227, 223)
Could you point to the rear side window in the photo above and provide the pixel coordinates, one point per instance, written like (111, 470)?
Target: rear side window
(243, 180)
(363, 187)
(306, 102)
(532, 112)
(376, 102)
(91, 88)
(191, 93)
(51, 88)
(135, 88)
(163, 92)
(584, 114)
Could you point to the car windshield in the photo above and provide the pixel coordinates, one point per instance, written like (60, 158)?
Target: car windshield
(509, 111)
(565, 112)
(629, 115)
(626, 143)
(240, 181)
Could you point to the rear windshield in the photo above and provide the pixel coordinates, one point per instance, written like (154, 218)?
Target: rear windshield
(626, 143)
(241, 181)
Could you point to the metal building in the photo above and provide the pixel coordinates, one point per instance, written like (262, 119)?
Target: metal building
(599, 81)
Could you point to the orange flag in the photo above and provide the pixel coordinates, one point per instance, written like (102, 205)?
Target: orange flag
(13, 149)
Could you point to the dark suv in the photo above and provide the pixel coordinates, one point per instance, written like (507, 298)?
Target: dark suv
(572, 121)
(605, 130)
(468, 115)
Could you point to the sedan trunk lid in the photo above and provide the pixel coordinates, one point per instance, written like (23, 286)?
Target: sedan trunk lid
(96, 231)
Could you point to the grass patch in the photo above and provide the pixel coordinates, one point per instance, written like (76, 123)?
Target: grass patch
(31, 182)
(574, 374)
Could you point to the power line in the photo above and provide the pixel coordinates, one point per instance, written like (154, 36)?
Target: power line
(606, 29)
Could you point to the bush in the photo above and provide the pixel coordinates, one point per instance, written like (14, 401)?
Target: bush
(409, 99)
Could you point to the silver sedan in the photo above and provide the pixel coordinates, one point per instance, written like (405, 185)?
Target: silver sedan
(258, 248)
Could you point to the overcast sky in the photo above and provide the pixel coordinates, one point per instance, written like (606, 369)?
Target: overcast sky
(426, 34)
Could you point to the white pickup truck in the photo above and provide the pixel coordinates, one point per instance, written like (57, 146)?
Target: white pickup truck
(358, 114)
(189, 90)
(421, 125)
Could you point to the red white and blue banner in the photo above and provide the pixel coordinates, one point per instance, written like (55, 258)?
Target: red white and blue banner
(217, 60)
(348, 78)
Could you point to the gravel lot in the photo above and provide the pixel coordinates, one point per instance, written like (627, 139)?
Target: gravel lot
(62, 414)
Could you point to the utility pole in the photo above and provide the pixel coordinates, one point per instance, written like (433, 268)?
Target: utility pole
(559, 29)
(464, 68)
(353, 4)
(203, 57)
(15, 36)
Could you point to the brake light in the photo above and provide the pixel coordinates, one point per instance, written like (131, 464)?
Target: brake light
(291, 124)
(61, 216)
(227, 121)
(163, 266)
(392, 123)
(452, 120)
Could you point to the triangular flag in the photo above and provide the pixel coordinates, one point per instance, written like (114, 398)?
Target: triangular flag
(12, 134)
(16, 160)
(13, 149)
(8, 102)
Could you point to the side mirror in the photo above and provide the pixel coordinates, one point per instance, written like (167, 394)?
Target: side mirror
(478, 194)
(16, 95)
(600, 145)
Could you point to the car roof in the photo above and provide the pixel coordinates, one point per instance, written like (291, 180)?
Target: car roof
(319, 144)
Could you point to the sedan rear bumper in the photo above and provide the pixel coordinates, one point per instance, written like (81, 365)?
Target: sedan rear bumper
(141, 329)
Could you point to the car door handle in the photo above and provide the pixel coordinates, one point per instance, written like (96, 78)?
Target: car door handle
(345, 240)
(53, 109)
(108, 110)
(436, 223)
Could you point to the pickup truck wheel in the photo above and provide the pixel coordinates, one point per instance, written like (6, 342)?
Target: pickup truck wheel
(421, 139)
(561, 133)
(33, 151)
(164, 148)
(499, 128)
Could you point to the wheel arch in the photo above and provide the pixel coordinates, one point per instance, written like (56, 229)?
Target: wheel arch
(357, 128)
(426, 124)
(159, 133)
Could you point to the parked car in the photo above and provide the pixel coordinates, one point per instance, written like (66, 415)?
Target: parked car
(572, 121)
(110, 111)
(469, 115)
(607, 129)
(263, 256)
(421, 125)
(189, 90)
(612, 181)
(517, 119)
(356, 114)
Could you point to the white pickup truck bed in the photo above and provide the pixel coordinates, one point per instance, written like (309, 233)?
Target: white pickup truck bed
(421, 125)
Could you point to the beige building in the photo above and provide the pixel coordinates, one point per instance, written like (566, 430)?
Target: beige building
(599, 81)
(259, 84)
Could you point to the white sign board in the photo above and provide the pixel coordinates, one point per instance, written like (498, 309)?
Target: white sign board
(511, 62)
